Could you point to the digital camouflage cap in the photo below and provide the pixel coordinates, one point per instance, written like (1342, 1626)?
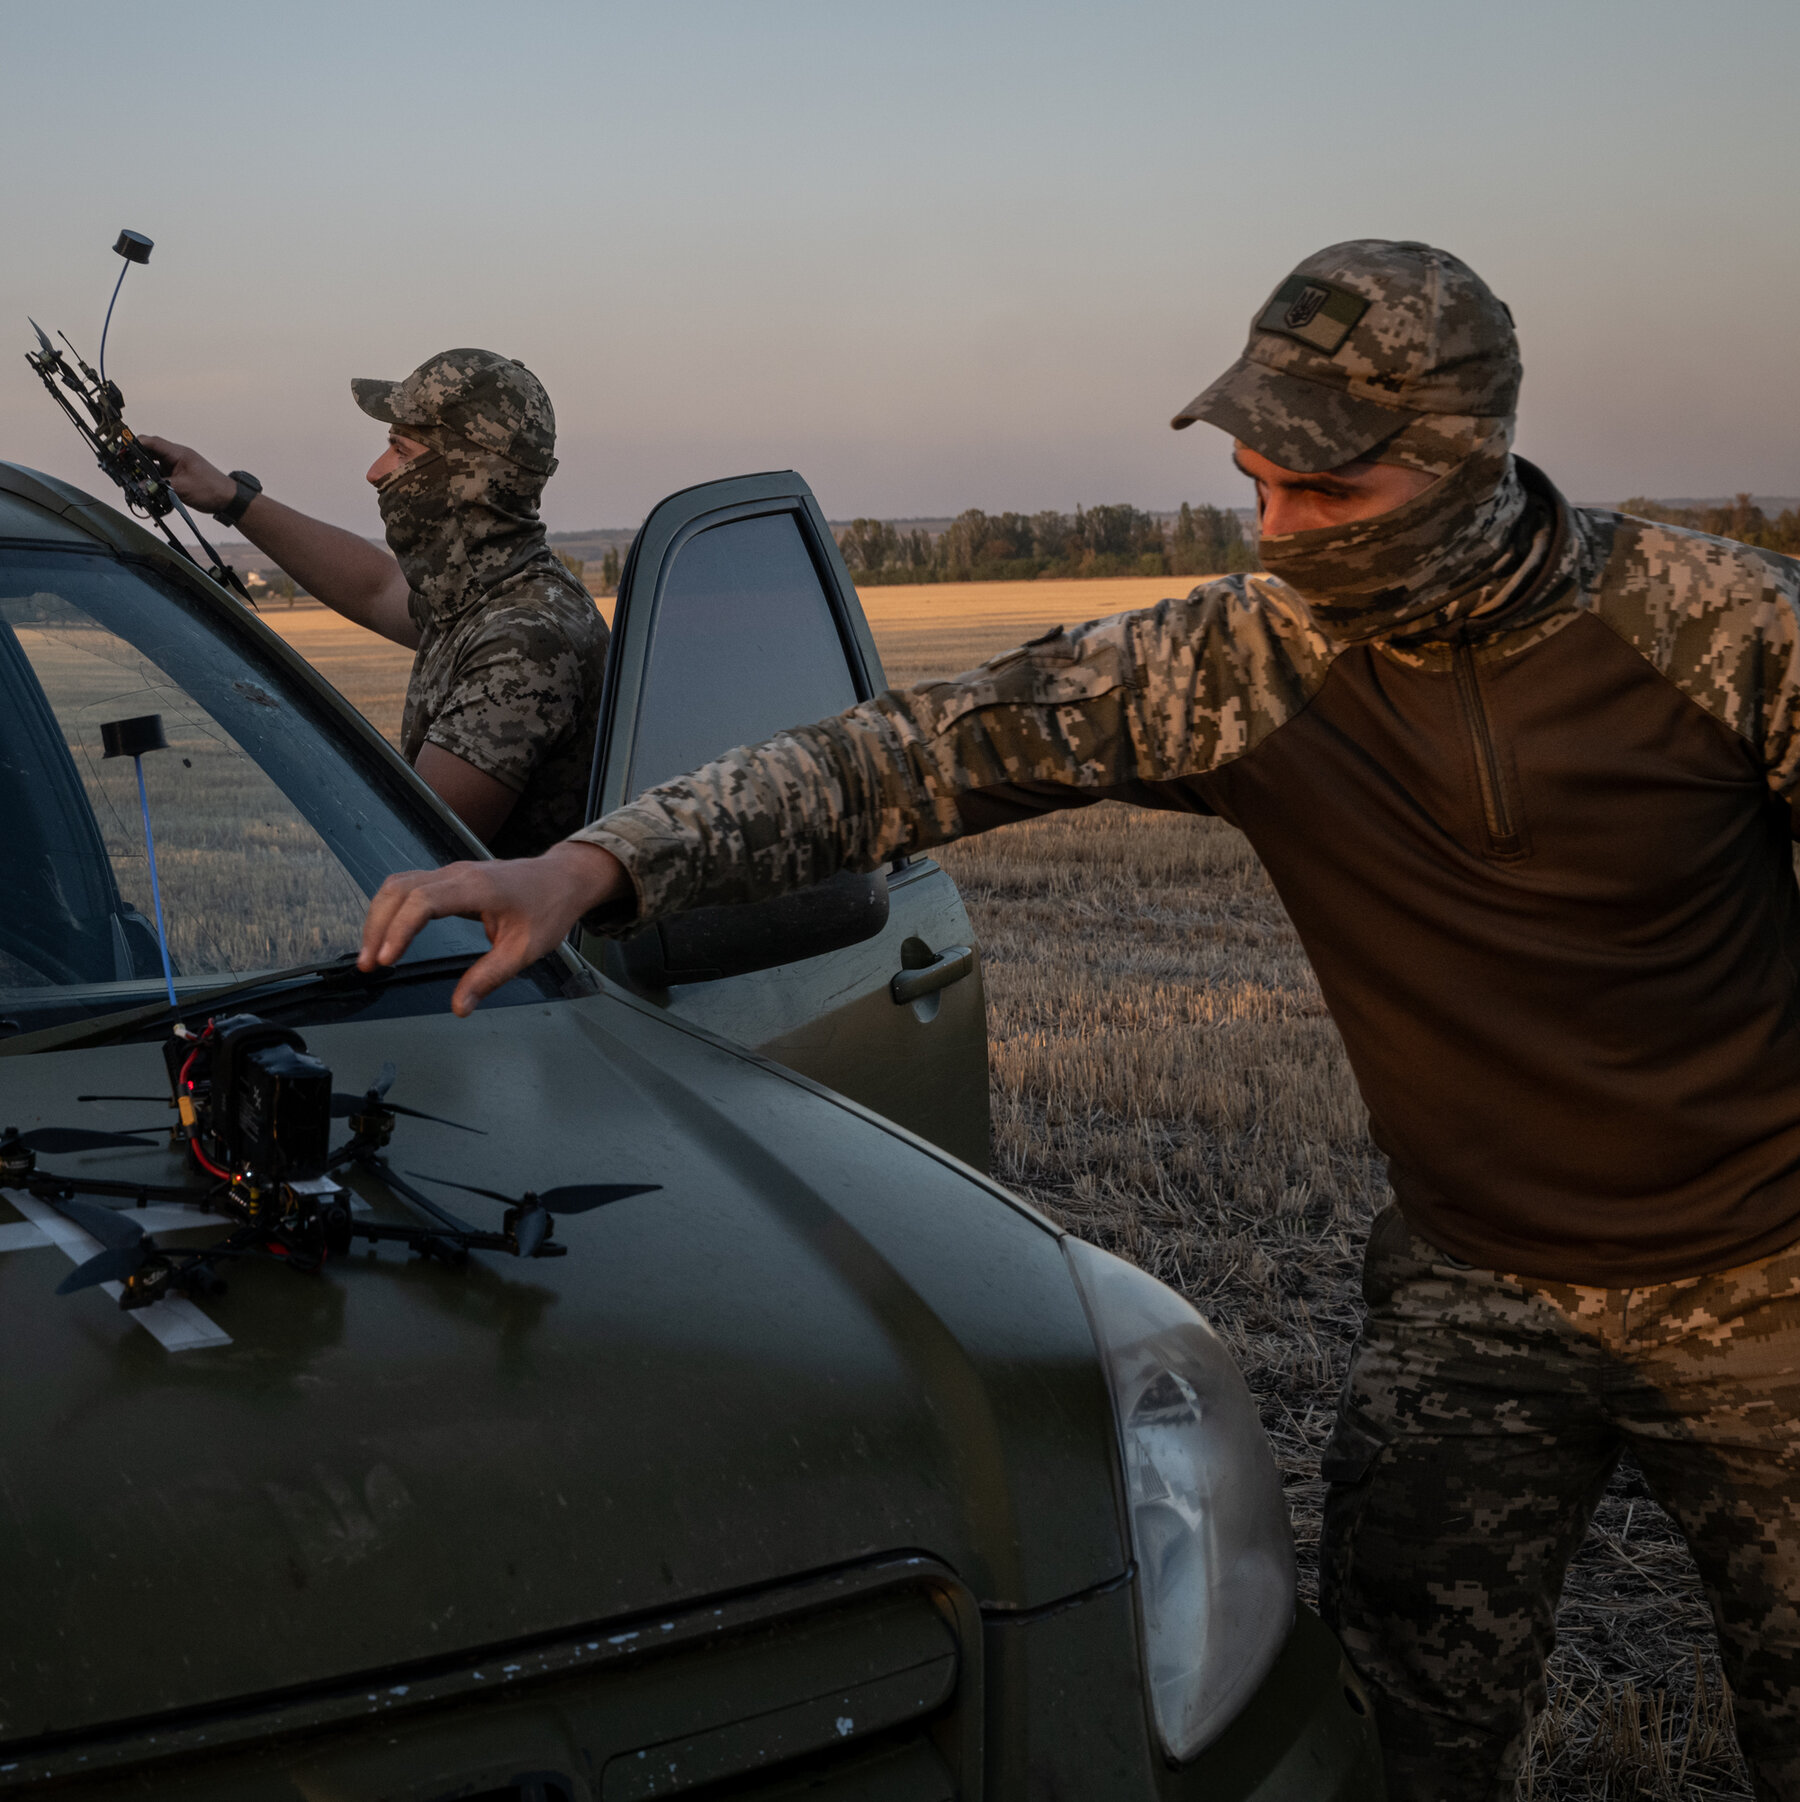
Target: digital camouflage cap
(1366, 340)
(492, 402)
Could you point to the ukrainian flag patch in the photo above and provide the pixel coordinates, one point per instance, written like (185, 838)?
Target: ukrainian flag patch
(1318, 313)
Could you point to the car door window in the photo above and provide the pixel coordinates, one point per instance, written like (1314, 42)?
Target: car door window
(744, 644)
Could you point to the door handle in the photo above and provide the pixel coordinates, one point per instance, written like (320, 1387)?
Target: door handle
(948, 966)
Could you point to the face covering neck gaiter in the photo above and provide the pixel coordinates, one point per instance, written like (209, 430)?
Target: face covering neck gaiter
(1469, 544)
(459, 520)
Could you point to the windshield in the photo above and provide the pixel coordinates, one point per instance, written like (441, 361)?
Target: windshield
(270, 834)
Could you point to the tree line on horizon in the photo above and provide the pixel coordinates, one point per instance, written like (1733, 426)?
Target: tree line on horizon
(608, 580)
(1116, 540)
(1739, 518)
(1121, 540)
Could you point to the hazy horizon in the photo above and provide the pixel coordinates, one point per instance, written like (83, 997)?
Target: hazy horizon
(933, 257)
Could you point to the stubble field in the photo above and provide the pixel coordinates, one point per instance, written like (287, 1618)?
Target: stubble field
(1168, 1083)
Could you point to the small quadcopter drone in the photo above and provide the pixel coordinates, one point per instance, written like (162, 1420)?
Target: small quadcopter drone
(255, 1111)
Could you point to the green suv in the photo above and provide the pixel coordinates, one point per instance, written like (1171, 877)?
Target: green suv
(811, 1463)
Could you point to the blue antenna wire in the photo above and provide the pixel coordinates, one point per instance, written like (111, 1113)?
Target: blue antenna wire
(162, 932)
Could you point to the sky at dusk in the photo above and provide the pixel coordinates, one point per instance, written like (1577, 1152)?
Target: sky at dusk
(931, 255)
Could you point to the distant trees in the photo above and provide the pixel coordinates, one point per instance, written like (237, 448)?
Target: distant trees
(1740, 518)
(1116, 540)
(1198, 541)
(607, 582)
(873, 545)
(1208, 541)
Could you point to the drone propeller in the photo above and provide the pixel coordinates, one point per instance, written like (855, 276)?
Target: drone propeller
(571, 1198)
(531, 1218)
(55, 1139)
(343, 1105)
(113, 1229)
(128, 1246)
(107, 1267)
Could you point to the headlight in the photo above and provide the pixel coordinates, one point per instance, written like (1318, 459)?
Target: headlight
(1209, 1526)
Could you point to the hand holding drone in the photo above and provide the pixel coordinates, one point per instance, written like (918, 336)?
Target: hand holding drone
(100, 420)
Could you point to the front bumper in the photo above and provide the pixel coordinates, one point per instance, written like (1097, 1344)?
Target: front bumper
(883, 1680)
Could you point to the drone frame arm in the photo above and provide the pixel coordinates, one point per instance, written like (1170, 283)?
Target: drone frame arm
(112, 441)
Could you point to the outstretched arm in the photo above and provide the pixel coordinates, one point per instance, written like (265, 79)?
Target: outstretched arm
(347, 573)
(1130, 708)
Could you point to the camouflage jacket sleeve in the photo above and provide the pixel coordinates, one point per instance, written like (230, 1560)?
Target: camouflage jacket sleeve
(1720, 619)
(1114, 709)
(516, 692)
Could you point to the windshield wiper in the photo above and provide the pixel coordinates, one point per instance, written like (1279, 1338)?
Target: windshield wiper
(329, 975)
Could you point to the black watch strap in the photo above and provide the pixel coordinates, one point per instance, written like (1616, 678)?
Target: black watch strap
(248, 488)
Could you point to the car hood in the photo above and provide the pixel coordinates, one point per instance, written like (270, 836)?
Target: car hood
(817, 1341)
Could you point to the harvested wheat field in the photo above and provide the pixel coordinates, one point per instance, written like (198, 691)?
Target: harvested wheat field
(1167, 1082)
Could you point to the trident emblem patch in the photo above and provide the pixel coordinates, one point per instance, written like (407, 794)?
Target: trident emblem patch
(1319, 313)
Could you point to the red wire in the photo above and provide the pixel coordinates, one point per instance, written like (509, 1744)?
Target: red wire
(200, 1156)
(205, 1162)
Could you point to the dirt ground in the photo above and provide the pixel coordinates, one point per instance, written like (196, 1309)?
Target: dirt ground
(1168, 1083)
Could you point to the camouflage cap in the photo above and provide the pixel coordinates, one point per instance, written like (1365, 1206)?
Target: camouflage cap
(1359, 341)
(491, 401)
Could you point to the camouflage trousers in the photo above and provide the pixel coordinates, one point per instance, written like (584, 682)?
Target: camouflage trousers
(1479, 1423)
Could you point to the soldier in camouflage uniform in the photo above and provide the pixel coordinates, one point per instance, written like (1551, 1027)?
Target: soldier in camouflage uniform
(504, 699)
(1523, 774)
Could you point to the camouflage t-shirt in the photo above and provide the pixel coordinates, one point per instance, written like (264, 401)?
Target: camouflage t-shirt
(512, 686)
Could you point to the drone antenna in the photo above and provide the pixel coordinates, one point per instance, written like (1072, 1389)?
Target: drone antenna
(132, 738)
(134, 247)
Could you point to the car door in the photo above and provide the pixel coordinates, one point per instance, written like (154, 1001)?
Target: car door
(736, 619)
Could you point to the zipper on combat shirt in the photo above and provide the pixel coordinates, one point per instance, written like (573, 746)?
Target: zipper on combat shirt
(1504, 839)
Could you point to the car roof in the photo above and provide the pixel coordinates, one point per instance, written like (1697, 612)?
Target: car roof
(21, 518)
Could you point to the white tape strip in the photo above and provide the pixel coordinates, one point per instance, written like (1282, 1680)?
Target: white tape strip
(165, 1218)
(175, 1323)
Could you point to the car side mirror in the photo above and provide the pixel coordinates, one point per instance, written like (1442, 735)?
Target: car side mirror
(711, 942)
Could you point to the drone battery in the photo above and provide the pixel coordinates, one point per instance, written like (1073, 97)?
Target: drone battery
(281, 1108)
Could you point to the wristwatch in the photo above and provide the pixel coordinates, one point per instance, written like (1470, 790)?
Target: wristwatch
(248, 488)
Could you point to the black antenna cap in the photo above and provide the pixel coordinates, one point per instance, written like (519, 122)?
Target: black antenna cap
(133, 737)
(134, 247)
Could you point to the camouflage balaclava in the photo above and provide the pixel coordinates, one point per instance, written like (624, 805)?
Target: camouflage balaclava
(464, 517)
(1392, 353)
